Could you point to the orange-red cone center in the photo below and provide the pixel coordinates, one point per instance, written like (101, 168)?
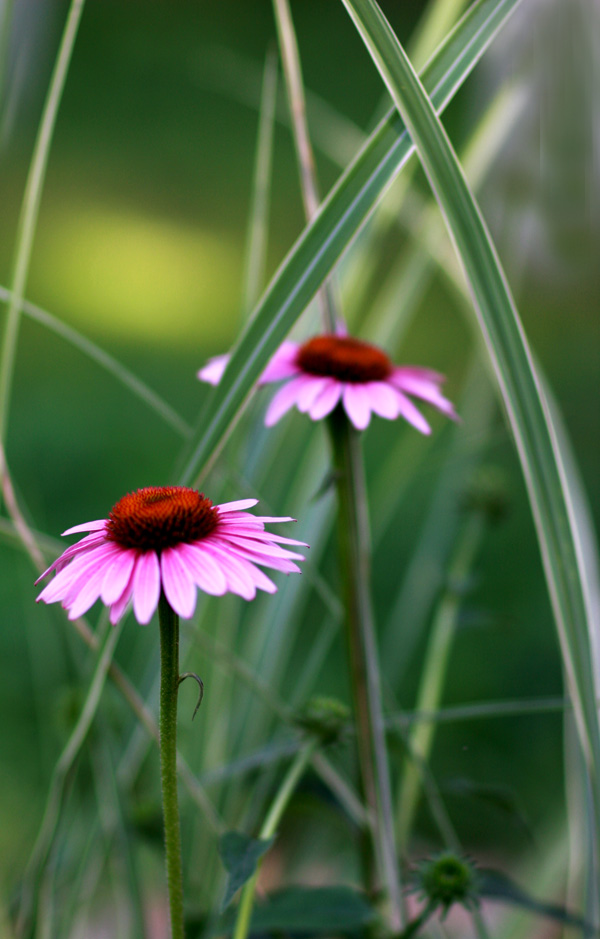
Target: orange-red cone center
(160, 517)
(344, 358)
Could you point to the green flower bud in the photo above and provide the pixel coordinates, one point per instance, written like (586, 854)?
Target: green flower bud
(326, 718)
(446, 879)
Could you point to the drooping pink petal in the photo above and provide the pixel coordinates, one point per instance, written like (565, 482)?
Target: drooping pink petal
(277, 564)
(425, 389)
(282, 364)
(310, 392)
(146, 586)
(262, 519)
(214, 369)
(238, 580)
(383, 399)
(98, 525)
(203, 568)
(83, 546)
(418, 372)
(119, 606)
(356, 404)
(225, 507)
(283, 400)
(117, 576)
(233, 534)
(327, 400)
(268, 550)
(63, 582)
(178, 585)
(260, 578)
(82, 574)
(410, 413)
(87, 590)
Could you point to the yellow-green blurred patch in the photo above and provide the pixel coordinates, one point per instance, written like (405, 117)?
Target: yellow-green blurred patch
(127, 275)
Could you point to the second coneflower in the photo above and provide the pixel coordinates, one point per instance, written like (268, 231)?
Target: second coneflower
(337, 369)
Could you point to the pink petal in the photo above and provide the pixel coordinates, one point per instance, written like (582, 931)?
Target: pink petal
(98, 525)
(357, 405)
(146, 586)
(327, 400)
(383, 399)
(283, 400)
(236, 506)
(203, 568)
(177, 582)
(410, 413)
(117, 576)
(282, 365)
(214, 369)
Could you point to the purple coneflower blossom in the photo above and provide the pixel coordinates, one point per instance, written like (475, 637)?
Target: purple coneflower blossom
(336, 369)
(170, 538)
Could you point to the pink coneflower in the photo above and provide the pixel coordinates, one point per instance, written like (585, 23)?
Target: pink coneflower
(336, 369)
(173, 538)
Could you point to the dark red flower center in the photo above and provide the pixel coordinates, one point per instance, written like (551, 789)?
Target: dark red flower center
(160, 517)
(344, 358)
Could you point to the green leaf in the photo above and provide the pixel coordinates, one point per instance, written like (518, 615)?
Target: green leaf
(313, 911)
(515, 371)
(240, 855)
(497, 886)
(322, 243)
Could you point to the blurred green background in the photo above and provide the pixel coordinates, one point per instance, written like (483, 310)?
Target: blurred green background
(140, 246)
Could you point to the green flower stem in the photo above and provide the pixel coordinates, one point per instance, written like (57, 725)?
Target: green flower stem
(286, 790)
(169, 687)
(414, 926)
(354, 546)
(437, 656)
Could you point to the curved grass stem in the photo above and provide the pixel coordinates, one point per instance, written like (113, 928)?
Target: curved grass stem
(286, 790)
(437, 657)
(355, 565)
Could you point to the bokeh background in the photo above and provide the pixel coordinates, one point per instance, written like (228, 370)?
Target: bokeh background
(140, 246)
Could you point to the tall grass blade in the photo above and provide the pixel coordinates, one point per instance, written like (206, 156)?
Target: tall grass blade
(324, 240)
(256, 240)
(30, 209)
(514, 368)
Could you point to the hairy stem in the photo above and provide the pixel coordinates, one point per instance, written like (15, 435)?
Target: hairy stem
(169, 686)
